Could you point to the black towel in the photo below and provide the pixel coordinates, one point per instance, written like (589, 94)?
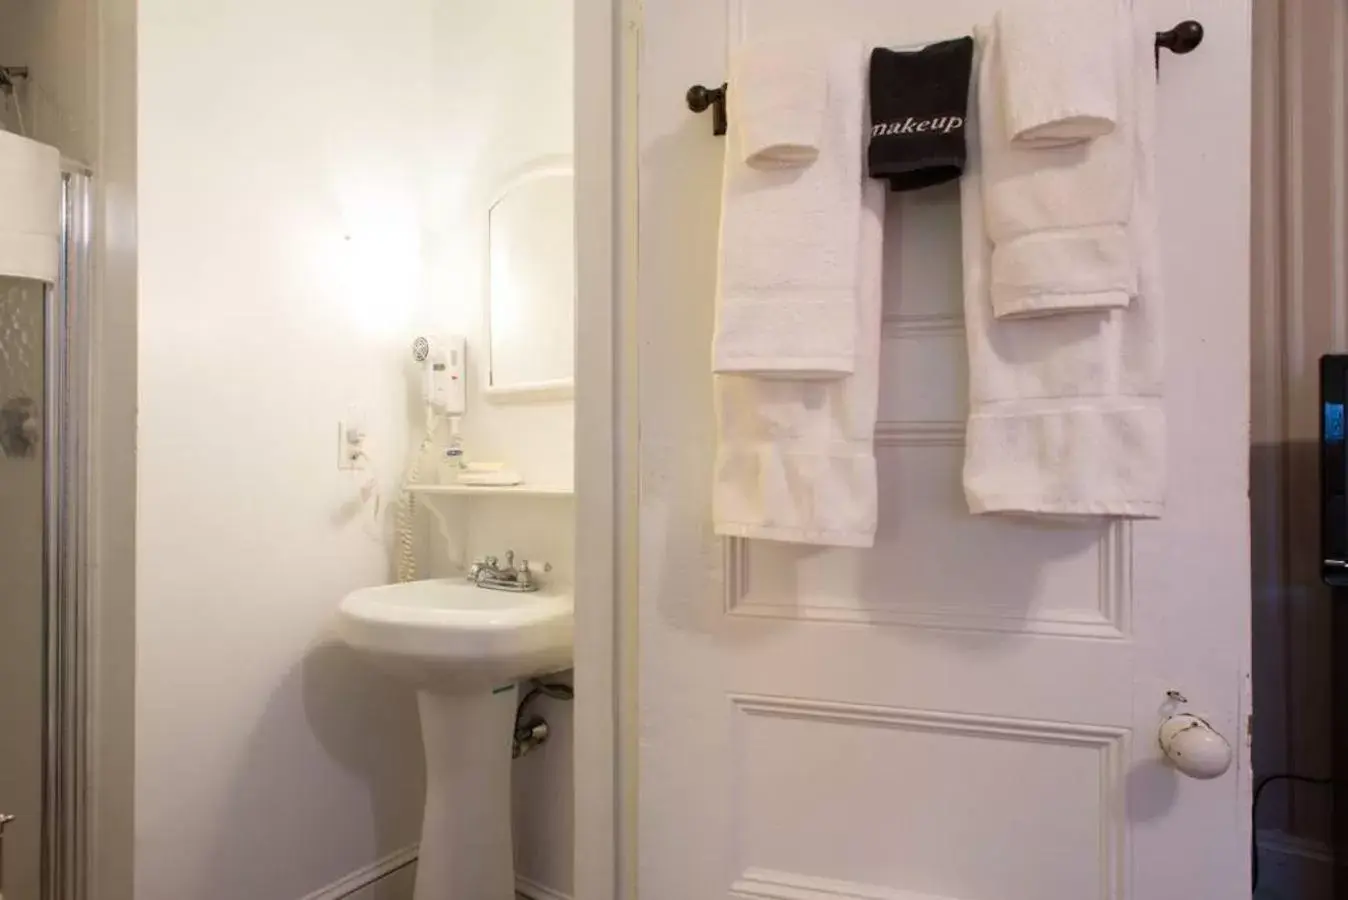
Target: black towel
(919, 100)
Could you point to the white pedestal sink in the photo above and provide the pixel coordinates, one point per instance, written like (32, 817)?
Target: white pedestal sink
(463, 648)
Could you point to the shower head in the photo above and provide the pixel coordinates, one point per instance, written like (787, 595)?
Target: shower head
(8, 74)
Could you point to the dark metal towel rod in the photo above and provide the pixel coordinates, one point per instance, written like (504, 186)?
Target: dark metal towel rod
(1183, 38)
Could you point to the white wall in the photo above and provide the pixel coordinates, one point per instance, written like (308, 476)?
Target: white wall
(503, 98)
(282, 166)
(310, 197)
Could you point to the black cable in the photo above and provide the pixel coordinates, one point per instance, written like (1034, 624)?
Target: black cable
(1254, 813)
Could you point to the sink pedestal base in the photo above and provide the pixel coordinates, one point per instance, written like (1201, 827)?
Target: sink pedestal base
(467, 850)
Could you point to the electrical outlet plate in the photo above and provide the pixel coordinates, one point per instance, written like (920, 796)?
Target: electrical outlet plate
(350, 447)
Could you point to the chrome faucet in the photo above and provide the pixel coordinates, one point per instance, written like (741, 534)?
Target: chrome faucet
(488, 574)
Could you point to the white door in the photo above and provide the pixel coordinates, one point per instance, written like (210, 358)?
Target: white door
(970, 709)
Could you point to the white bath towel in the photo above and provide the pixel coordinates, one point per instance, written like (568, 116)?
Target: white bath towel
(790, 273)
(1058, 86)
(796, 460)
(781, 91)
(1058, 216)
(30, 213)
(1066, 413)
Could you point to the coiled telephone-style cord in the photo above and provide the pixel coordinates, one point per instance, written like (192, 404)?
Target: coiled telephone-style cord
(407, 506)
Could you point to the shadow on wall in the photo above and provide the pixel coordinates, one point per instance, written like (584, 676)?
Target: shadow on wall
(360, 717)
(1292, 638)
(1339, 792)
(355, 710)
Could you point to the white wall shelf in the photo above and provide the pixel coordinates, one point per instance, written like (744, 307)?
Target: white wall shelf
(451, 515)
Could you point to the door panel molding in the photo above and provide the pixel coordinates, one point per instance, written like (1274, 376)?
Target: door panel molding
(1110, 744)
(1111, 620)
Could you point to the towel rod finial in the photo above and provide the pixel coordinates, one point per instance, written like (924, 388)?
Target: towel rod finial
(702, 98)
(1183, 38)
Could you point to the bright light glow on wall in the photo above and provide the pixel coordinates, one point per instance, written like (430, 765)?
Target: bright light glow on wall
(370, 254)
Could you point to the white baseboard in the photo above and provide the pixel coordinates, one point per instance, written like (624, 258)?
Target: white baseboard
(349, 884)
(535, 891)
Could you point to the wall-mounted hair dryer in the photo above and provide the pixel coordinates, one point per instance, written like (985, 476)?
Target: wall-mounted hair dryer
(444, 383)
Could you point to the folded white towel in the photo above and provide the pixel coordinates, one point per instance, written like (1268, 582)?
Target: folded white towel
(1066, 414)
(789, 264)
(781, 89)
(1058, 87)
(1058, 217)
(30, 215)
(796, 460)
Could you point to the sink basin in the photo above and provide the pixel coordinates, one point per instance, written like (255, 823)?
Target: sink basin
(451, 636)
(462, 648)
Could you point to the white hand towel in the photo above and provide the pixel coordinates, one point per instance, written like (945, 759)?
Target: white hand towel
(1059, 86)
(1058, 217)
(796, 460)
(781, 89)
(789, 262)
(1066, 413)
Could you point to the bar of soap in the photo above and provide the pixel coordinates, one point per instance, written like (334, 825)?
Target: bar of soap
(497, 478)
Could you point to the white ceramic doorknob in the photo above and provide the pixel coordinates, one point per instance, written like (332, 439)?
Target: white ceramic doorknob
(1195, 747)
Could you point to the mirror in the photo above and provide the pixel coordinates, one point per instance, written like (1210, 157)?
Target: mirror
(531, 293)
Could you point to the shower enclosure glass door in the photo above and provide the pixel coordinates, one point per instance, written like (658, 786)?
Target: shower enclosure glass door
(42, 405)
(23, 329)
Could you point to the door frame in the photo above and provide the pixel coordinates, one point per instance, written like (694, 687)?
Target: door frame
(606, 42)
(107, 858)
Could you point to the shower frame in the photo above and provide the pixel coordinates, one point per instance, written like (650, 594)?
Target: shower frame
(66, 608)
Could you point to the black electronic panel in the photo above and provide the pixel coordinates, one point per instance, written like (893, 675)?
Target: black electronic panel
(1333, 470)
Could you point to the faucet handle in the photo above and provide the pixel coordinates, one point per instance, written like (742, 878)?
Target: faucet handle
(489, 561)
(525, 570)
